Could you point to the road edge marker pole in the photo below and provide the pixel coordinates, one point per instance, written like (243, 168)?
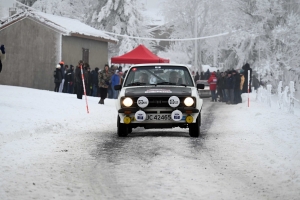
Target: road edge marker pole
(82, 77)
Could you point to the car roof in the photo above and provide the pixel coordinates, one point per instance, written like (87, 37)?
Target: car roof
(159, 64)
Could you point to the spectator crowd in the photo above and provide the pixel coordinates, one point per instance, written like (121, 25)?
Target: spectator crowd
(97, 83)
(224, 86)
(229, 85)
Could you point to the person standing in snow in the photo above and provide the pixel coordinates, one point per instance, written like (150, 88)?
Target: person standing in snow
(87, 78)
(212, 81)
(57, 78)
(197, 77)
(219, 86)
(247, 68)
(224, 86)
(103, 81)
(65, 76)
(95, 81)
(2, 55)
(237, 80)
(62, 68)
(70, 78)
(230, 88)
(255, 82)
(115, 80)
(242, 82)
(79, 84)
(207, 74)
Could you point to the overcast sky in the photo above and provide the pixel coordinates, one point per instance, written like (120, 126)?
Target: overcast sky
(6, 2)
(152, 6)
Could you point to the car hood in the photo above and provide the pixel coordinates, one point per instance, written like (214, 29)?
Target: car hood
(158, 91)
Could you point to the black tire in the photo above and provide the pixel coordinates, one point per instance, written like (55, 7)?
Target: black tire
(194, 128)
(123, 129)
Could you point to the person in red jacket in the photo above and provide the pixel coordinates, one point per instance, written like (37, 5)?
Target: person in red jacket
(213, 86)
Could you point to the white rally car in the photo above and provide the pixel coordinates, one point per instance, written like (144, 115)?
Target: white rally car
(159, 96)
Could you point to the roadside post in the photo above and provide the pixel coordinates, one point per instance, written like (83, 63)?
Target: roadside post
(82, 77)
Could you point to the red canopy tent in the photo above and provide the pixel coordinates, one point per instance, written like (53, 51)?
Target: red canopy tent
(139, 55)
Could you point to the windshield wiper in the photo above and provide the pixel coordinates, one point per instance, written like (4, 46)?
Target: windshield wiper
(136, 83)
(165, 83)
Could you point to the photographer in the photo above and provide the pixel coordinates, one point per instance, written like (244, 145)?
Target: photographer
(2, 55)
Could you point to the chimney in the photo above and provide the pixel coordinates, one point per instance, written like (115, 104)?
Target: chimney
(12, 11)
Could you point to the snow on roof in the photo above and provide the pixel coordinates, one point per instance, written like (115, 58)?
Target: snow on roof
(66, 25)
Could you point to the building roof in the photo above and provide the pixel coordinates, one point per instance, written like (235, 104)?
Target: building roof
(67, 26)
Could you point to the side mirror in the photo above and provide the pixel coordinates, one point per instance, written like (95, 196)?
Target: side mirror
(118, 87)
(200, 86)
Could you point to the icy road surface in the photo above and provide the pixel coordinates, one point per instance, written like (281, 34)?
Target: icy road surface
(82, 158)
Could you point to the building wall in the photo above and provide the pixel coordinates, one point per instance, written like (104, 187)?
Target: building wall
(31, 55)
(72, 51)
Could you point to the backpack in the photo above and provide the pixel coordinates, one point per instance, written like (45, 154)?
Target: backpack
(54, 74)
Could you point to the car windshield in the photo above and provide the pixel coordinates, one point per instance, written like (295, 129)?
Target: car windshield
(158, 75)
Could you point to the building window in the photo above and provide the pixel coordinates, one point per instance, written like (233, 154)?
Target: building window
(85, 55)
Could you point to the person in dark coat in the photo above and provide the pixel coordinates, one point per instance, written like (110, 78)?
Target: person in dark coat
(57, 78)
(202, 76)
(70, 78)
(87, 79)
(220, 86)
(94, 75)
(230, 88)
(120, 69)
(237, 93)
(207, 74)
(78, 79)
(224, 86)
(2, 55)
(65, 88)
(255, 82)
(246, 67)
(197, 77)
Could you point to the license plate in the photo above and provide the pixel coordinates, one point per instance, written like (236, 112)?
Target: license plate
(166, 117)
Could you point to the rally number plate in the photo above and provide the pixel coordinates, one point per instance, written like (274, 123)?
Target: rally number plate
(157, 117)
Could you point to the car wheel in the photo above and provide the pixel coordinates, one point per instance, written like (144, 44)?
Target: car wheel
(123, 129)
(194, 128)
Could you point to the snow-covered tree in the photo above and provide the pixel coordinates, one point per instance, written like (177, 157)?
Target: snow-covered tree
(120, 17)
(196, 18)
(75, 9)
(268, 39)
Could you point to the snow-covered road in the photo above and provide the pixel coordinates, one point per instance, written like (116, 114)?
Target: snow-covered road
(79, 156)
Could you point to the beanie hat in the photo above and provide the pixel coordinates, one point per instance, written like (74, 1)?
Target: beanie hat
(58, 66)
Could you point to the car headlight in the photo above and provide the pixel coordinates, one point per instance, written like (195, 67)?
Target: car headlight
(188, 101)
(127, 102)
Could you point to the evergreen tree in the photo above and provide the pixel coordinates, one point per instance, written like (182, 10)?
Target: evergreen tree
(121, 17)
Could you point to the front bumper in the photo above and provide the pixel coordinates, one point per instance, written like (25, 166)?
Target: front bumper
(152, 112)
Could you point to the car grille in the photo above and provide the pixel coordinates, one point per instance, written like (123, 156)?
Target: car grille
(158, 102)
